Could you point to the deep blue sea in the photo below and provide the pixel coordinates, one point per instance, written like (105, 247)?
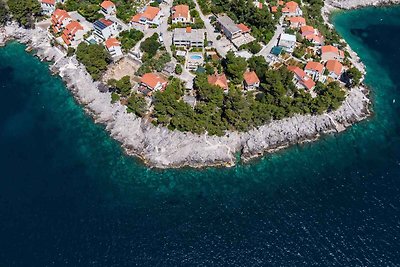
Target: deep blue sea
(70, 197)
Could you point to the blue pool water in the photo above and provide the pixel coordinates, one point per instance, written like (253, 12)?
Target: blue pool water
(70, 197)
(196, 57)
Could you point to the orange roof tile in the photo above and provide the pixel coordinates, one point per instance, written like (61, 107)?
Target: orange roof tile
(59, 15)
(274, 9)
(218, 80)
(66, 39)
(315, 66)
(243, 27)
(50, 2)
(107, 4)
(281, 3)
(250, 77)
(180, 11)
(110, 42)
(188, 29)
(308, 83)
(151, 12)
(315, 38)
(152, 79)
(306, 30)
(334, 66)
(300, 20)
(303, 78)
(329, 48)
(72, 28)
(260, 5)
(290, 7)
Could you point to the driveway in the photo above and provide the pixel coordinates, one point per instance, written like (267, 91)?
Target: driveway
(273, 42)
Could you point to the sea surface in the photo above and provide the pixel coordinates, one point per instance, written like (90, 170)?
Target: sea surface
(70, 197)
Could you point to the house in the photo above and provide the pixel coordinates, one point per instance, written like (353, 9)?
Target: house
(188, 37)
(314, 69)
(297, 22)
(258, 4)
(292, 9)
(48, 6)
(152, 82)
(287, 42)
(105, 28)
(307, 30)
(243, 28)
(108, 7)
(329, 52)
(315, 39)
(274, 9)
(335, 68)
(251, 80)
(114, 47)
(228, 27)
(150, 16)
(218, 80)
(59, 20)
(180, 14)
(302, 80)
(73, 34)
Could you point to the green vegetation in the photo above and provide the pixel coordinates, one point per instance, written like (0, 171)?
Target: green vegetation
(88, 9)
(3, 12)
(94, 57)
(70, 51)
(216, 112)
(254, 47)
(235, 67)
(205, 6)
(154, 63)
(24, 11)
(122, 87)
(178, 69)
(354, 76)
(125, 10)
(136, 104)
(115, 97)
(130, 38)
(260, 21)
(313, 14)
(150, 46)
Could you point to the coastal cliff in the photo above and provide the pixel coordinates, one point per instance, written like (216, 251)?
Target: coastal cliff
(162, 148)
(351, 4)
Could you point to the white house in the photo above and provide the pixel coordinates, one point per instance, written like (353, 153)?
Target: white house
(188, 37)
(180, 14)
(251, 80)
(292, 9)
(48, 6)
(108, 7)
(59, 20)
(315, 70)
(335, 68)
(149, 16)
(73, 34)
(105, 28)
(287, 42)
(114, 47)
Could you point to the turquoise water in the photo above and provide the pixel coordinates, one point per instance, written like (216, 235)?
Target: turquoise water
(196, 57)
(70, 197)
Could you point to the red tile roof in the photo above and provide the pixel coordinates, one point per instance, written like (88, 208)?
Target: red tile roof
(243, 27)
(218, 80)
(329, 48)
(290, 7)
(314, 66)
(334, 66)
(150, 14)
(152, 79)
(110, 42)
(303, 78)
(274, 9)
(306, 30)
(106, 22)
(180, 11)
(250, 77)
(300, 20)
(50, 2)
(59, 15)
(107, 4)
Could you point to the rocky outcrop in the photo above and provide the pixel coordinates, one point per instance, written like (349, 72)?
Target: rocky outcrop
(162, 148)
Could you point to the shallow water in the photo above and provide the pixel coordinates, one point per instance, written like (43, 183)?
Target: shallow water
(69, 196)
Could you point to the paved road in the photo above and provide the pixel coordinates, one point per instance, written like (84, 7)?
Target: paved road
(273, 42)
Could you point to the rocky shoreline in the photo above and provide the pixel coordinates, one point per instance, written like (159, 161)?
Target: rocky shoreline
(161, 148)
(352, 4)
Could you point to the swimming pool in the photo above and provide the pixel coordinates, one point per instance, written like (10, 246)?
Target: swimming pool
(196, 57)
